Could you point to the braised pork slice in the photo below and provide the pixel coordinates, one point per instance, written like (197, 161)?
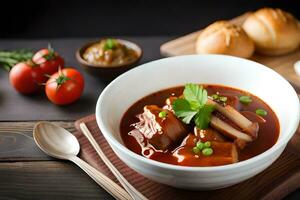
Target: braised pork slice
(161, 132)
(169, 102)
(223, 153)
(228, 130)
(208, 135)
(251, 128)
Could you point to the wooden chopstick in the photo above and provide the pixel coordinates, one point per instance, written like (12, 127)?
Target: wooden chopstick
(106, 183)
(134, 193)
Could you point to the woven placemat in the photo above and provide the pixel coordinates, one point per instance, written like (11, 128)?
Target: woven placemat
(274, 183)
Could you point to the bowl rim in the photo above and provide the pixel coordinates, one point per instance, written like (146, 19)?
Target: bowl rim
(291, 129)
(81, 60)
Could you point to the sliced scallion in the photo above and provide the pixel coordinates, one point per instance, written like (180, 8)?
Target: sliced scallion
(261, 112)
(245, 100)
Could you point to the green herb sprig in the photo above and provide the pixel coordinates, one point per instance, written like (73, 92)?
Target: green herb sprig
(10, 58)
(193, 106)
(110, 44)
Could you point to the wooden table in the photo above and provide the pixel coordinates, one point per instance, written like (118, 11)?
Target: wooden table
(25, 171)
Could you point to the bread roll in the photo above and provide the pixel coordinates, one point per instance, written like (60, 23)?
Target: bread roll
(273, 31)
(222, 37)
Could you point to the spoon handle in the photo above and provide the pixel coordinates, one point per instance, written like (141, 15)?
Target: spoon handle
(106, 183)
(134, 193)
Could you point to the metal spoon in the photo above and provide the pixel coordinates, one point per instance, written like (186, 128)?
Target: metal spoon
(60, 143)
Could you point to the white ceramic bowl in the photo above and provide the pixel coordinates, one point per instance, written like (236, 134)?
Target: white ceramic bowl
(250, 76)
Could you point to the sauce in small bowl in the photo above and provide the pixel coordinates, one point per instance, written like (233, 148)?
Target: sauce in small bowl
(108, 58)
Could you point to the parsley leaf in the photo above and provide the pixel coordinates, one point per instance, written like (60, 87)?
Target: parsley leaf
(202, 118)
(183, 110)
(193, 106)
(195, 95)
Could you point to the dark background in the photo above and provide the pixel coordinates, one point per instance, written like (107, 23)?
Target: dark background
(73, 19)
(90, 18)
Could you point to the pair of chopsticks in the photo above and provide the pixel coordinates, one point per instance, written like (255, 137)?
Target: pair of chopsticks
(134, 194)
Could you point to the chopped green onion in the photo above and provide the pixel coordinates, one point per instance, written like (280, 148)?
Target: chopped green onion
(162, 114)
(196, 150)
(207, 151)
(109, 44)
(200, 145)
(223, 99)
(215, 96)
(261, 112)
(207, 144)
(245, 100)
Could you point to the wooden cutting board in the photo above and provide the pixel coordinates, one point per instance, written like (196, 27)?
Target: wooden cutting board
(274, 183)
(185, 45)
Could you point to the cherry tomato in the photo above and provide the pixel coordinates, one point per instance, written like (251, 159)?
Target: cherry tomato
(65, 86)
(48, 60)
(26, 78)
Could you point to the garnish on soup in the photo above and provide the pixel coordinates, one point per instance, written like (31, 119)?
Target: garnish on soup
(109, 52)
(193, 106)
(261, 112)
(199, 125)
(245, 100)
(205, 148)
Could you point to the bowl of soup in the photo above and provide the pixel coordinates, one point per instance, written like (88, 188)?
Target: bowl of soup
(198, 122)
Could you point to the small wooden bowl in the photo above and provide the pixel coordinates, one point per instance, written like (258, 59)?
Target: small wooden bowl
(108, 73)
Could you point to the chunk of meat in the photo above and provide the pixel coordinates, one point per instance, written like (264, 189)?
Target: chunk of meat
(228, 130)
(169, 102)
(161, 132)
(245, 124)
(208, 135)
(239, 137)
(223, 153)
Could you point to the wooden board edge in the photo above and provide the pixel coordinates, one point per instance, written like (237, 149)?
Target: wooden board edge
(284, 188)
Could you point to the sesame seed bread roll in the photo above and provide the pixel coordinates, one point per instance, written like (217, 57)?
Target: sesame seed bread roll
(274, 31)
(223, 37)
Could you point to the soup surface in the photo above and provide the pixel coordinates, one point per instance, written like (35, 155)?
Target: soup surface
(156, 128)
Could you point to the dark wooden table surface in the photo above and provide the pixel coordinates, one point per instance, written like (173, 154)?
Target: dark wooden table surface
(25, 171)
